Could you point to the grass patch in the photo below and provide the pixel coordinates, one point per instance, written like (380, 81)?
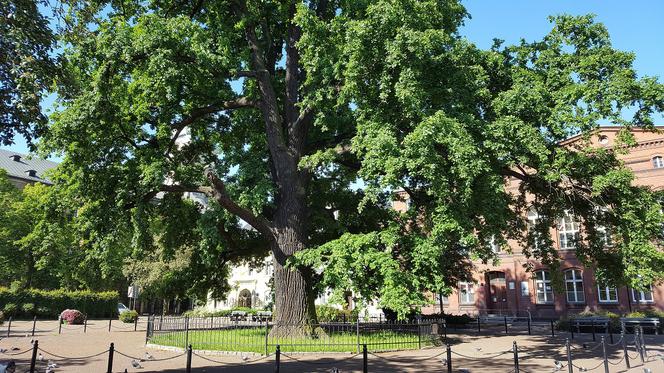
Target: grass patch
(253, 339)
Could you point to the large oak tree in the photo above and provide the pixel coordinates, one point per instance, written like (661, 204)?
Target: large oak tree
(299, 119)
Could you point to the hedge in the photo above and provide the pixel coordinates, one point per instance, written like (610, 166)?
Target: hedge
(49, 303)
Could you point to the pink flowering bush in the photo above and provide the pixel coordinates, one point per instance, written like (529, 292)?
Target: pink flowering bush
(72, 317)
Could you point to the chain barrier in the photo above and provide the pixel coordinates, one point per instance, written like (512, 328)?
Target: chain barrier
(582, 369)
(483, 357)
(146, 360)
(617, 362)
(227, 363)
(70, 357)
(316, 362)
(422, 359)
(16, 354)
(617, 343)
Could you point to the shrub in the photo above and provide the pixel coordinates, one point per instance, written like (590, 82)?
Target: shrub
(328, 313)
(48, 303)
(10, 309)
(128, 316)
(72, 317)
(28, 309)
(636, 315)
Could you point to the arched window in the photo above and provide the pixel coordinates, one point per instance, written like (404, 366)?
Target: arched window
(466, 293)
(658, 161)
(543, 287)
(574, 286)
(568, 232)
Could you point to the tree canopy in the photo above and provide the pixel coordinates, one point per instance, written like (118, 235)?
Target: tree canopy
(299, 120)
(27, 68)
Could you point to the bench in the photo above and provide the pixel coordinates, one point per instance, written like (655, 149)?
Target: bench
(238, 316)
(647, 323)
(589, 322)
(262, 316)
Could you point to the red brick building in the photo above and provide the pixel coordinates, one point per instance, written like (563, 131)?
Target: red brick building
(509, 288)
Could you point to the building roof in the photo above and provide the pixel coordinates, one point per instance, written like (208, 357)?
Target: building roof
(25, 167)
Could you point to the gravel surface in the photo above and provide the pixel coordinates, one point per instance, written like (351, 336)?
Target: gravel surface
(74, 351)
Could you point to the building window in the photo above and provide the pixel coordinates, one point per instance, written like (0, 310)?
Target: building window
(644, 296)
(493, 244)
(543, 287)
(466, 293)
(574, 286)
(607, 294)
(604, 236)
(525, 291)
(658, 162)
(568, 232)
(533, 217)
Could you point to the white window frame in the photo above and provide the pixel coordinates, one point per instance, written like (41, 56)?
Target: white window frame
(658, 161)
(604, 294)
(642, 295)
(533, 217)
(543, 286)
(568, 237)
(578, 295)
(466, 293)
(495, 248)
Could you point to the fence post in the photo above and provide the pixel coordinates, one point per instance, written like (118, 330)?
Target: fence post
(505, 319)
(277, 359)
(357, 332)
(267, 331)
(419, 335)
(610, 333)
(9, 326)
(136, 323)
(365, 364)
(529, 330)
(110, 358)
(59, 324)
(109, 325)
(516, 357)
(592, 325)
(624, 346)
(186, 330)
(570, 368)
(478, 323)
(34, 324)
(606, 359)
(571, 327)
(553, 333)
(85, 324)
(643, 341)
(637, 337)
(189, 352)
(445, 329)
(149, 328)
(161, 320)
(449, 359)
(33, 361)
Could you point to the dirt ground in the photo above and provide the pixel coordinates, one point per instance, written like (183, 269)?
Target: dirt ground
(486, 353)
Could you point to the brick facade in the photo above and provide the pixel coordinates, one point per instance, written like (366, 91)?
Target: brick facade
(509, 288)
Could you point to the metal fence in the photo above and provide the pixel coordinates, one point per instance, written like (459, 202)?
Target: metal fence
(226, 334)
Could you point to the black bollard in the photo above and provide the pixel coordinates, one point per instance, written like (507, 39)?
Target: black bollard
(33, 361)
(570, 367)
(59, 324)
(277, 358)
(365, 363)
(516, 357)
(606, 358)
(110, 358)
(9, 327)
(109, 325)
(85, 325)
(505, 319)
(478, 324)
(136, 323)
(189, 352)
(553, 333)
(592, 325)
(449, 359)
(529, 331)
(624, 346)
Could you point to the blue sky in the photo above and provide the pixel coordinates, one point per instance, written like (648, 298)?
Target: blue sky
(634, 26)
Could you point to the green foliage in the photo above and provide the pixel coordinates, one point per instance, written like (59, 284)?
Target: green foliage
(10, 309)
(2, 317)
(27, 69)
(201, 312)
(50, 303)
(28, 309)
(374, 97)
(329, 313)
(128, 317)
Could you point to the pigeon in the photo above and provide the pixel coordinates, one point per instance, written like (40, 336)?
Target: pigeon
(148, 356)
(334, 370)
(478, 349)
(40, 357)
(3, 350)
(51, 364)
(15, 349)
(647, 370)
(443, 361)
(464, 370)
(245, 358)
(558, 365)
(136, 364)
(585, 346)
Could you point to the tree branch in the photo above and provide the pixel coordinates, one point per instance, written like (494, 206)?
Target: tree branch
(219, 193)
